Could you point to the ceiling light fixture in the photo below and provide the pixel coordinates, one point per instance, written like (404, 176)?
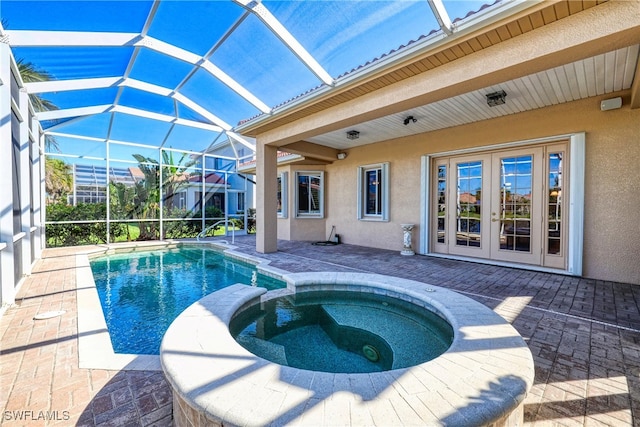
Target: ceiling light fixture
(496, 98)
(353, 134)
(410, 119)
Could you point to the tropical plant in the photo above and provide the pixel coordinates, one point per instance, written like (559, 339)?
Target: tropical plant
(58, 180)
(122, 203)
(174, 176)
(147, 192)
(30, 73)
(146, 197)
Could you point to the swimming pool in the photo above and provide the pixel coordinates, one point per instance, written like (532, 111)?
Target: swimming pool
(142, 292)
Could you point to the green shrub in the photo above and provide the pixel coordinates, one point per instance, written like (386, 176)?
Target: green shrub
(213, 212)
(182, 229)
(76, 232)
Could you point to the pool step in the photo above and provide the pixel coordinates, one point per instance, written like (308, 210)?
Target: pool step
(407, 339)
(272, 351)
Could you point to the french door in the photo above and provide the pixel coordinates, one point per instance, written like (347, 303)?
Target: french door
(503, 205)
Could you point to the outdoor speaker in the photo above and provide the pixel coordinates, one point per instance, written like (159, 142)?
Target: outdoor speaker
(611, 104)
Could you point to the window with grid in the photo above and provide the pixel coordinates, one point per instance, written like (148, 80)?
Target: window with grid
(373, 192)
(310, 194)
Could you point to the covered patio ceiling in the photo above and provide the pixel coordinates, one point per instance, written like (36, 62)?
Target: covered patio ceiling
(598, 75)
(190, 75)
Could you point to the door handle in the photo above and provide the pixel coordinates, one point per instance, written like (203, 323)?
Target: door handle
(495, 219)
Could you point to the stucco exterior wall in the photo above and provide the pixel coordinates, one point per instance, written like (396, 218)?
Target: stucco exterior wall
(612, 181)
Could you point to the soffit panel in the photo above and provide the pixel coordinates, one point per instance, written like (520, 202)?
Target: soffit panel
(610, 72)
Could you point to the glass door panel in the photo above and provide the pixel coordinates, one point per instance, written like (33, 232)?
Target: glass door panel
(468, 230)
(467, 215)
(439, 217)
(441, 204)
(515, 222)
(515, 203)
(555, 204)
(554, 254)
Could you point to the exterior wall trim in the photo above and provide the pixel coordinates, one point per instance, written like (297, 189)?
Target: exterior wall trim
(284, 190)
(577, 144)
(425, 198)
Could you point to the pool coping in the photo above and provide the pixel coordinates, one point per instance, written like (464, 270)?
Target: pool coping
(482, 379)
(95, 350)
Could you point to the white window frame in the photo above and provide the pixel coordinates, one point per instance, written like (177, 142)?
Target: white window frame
(283, 212)
(383, 188)
(182, 199)
(240, 202)
(314, 174)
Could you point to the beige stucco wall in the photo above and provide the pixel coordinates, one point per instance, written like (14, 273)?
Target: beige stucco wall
(612, 181)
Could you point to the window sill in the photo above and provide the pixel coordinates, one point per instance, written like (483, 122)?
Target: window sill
(372, 219)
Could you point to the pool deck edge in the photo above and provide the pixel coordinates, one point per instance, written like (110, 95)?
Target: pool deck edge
(95, 350)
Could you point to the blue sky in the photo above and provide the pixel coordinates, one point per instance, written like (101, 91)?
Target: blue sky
(340, 35)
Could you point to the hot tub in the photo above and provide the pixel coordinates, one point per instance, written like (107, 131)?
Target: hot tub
(342, 332)
(481, 379)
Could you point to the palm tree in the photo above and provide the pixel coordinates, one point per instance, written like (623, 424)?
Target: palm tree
(58, 179)
(122, 203)
(29, 74)
(146, 198)
(174, 176)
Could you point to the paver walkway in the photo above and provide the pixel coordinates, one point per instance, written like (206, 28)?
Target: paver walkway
(584, 335)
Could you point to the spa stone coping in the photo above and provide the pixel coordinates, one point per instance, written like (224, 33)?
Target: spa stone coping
(481, 379)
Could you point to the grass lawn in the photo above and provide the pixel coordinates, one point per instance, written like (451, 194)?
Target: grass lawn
(134, 232)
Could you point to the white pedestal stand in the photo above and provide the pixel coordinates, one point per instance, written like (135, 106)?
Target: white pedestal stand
(407, 249)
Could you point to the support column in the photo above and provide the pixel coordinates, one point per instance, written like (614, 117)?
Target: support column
(7, 282)
(42, 214)
(25, 183)
(37, 187)
(266, 199)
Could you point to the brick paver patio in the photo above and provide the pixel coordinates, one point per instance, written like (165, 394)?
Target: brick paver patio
(584, 335)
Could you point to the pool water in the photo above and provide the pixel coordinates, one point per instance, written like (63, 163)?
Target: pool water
(143, 292)
(342, 332)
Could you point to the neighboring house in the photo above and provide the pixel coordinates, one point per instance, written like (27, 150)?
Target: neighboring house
(221, 189)
(191, 187)
(534, 105)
